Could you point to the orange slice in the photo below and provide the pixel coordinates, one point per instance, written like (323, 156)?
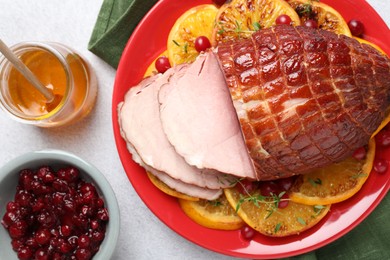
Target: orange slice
(326, 17)
(265, 217)
(240, 18)
(166, 189)
(216, 214)
(334, 183)
(197, 21)
(151, 70)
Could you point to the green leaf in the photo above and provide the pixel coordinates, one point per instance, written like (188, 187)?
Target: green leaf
(176, 43)
(256, 26)
(277, 227)
(301, 221)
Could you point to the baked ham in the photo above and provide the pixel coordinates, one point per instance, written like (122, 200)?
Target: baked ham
(283, 102)
(305, 98)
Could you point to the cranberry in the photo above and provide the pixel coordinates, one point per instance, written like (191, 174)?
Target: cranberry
(219, 2)
(43, 171)
(247, 233)
(383, 138)
(83, 241)
(42, 236)
(202, 43)
(311, 24)
(41, 254)
(283, 19)
(95, 224)
(162, 64)
(286, 183)
(23, 198)
(24, 253)
(83, 254)
(360, 153)
(12, 206)
(66, 230)
(284, 201)
(17, 243)
(18, 229)
(268, 188)
(356, 27)
(48, 178)
(69, 174)
(246, 186)
(102, 214)
(97, 236)
(65, 247)
(9, 218)
(380, 165)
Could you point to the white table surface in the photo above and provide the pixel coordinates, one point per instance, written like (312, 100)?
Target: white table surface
(143, 235)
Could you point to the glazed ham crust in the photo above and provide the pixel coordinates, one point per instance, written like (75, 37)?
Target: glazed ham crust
(305, 98)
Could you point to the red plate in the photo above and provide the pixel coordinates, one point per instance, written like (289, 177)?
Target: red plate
(149, 40)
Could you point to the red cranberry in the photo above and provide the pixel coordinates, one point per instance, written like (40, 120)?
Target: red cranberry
(102, 215)
(18, 229)
(162, 64)
(23, 198)
(360, 153)
(219, 2)
(284, 201)
(17, 243)
(269, 188)
(246, 186)
(356, 27)
(311, 24)
(380, 165)
(65, 247)
(25, 179)
(66, 230)
(83, 241)
(83, 254)
(9, 218)
(42, 171)
(286, 183)
(69, 174)
(95, 224)
(41, 254)
(202, 43)
(42, 236)
(283, 19)
(24, 253)
(31, 243)
(97, 236)
(247, 233)
(383, 138)
(12, 206)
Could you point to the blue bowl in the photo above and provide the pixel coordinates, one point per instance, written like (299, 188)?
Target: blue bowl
(9, 175)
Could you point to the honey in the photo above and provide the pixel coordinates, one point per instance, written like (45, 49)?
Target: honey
(60, 69)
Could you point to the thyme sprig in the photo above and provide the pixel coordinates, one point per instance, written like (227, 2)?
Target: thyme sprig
(238, 28)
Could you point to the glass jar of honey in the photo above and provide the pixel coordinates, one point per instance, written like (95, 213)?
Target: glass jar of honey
(59, 68)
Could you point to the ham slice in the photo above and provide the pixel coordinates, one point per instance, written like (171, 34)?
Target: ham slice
(139, 117)
(199, 120)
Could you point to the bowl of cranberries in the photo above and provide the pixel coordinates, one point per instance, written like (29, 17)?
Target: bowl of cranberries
(54, 205)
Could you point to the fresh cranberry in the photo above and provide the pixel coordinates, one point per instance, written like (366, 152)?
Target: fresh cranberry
(202, 43)
(42, 171)
(66, 230)
(18, 229)
(383, 138)
(83, 254)
(311, 24)
(41, 254)
(23, 198)
(42, 236)
(24, 253)
(286, 183)
(162, 64)
(360, 153)
(284, 201)
(283, 19)
(219, 2)
(97, 236)
(65, 247)
(269, 188)
(69, 174)
(102, 215)
(247, 233)
(84, 241)
(12, 206)
(356, 27)
(17, 243)
(380, 165)
(9, 218)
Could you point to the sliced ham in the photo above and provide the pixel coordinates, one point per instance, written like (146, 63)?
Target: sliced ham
(199, 119)
(141, 127)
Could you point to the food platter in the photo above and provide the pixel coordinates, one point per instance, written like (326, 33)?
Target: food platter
(149, 40)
